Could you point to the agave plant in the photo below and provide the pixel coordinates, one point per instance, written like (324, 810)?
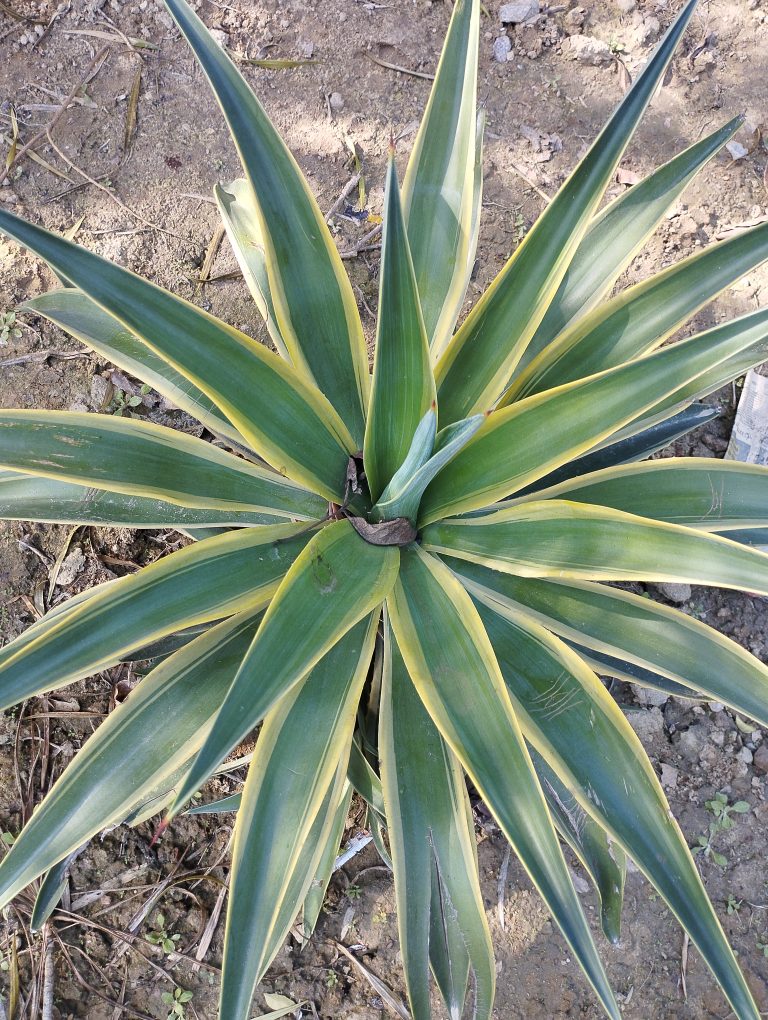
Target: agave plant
(399, 574)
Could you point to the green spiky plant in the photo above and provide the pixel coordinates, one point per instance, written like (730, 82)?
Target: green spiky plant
(399, 576)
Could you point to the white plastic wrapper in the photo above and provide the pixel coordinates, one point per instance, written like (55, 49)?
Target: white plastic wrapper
(749, 438)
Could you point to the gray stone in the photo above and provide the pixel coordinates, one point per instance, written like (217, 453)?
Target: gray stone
(100, 388)
(336, 102)
(648, 724)
(70, 568)
(675, 592)
(519, 11)
(626, 6)
(588, 50)
(760, 759)
(651, 698)
(745, 755)
(669, 776)
(647, 31)
(501, 47)
(716, 706)
(692, 741)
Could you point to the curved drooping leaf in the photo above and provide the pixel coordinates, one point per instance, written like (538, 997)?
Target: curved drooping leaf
(640, 318)
(200, 583)
(237, 208)
(431, 836)
(635, 447)
(139, 746)
(521, 443)
(622, 669)
(333, 584)
(443, 182)
(575, 541)
(699, 492)
(311, 294)
(445, 647)
(74, 312)
(364, 779)
(482, 355)
(604, 861)
(51, 890)
(616, 235)
(403, 385)
(270, 404)
(138, 457)
(610, 622)
(281, 800)
(599, 757)
(32, 498)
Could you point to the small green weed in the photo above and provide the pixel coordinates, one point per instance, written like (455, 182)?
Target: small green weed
(176, 1001)
(160, 936)
(8, 327)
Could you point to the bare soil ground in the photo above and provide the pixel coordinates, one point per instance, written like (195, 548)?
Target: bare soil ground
(543, 108)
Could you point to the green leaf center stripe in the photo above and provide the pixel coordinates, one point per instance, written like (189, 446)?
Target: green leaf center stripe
(403, 384)
(442, 186)
(554, 538)
(140, 458)
(311, 294)
(282, 797)
(74, 312)
(202, 582)
(445, 647)
(336, 581)
(480, 358)
(269, 403)
(140, 744)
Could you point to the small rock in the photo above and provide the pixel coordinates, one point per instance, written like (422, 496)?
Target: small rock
(647, 31)
(647, 724)
(336, 102)
(650, 697)
(518, 12)
(736, 150)
(760, 759)
(692, 741)
(716, 706)
(220, 36)
(717, 737)
(100, 389)
(626, 6)
(675, 592)
(501, 48)
(745, 755)
(580, 884)
(306, 49)
(70, 568)
(589, 50)
(669, 776)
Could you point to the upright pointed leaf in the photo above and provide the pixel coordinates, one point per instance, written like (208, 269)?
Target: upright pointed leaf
(442, 184)
(639, 319)
(481, 356)
(526, 441)
(74, 312)
(610, 622)
(140, 744)
(599, 757)
(197, 584)
(616, 235)
(403, 384)
(337, 581)
(281, 800)
(447, 654)
(433, 850)
(311, 293)
(574, 541)
(270, 404)
(131, 456)
(238, 210)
